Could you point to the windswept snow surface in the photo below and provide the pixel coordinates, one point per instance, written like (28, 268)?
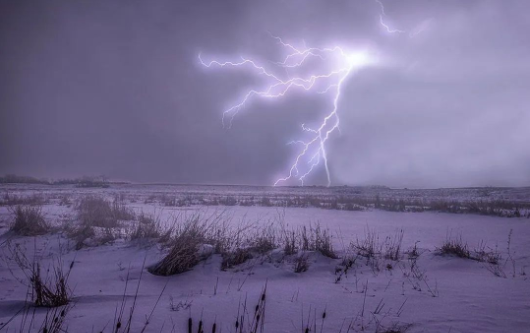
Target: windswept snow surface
(439, 294)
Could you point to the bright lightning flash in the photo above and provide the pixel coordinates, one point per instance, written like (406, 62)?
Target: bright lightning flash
(313, 70)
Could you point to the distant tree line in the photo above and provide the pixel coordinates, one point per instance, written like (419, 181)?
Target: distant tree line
(85, 181)
(15, 179)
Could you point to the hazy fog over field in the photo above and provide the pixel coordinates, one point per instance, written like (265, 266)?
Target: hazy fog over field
(116, 88)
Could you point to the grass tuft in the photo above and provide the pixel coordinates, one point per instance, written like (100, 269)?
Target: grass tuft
(147, 228)
(29, 221)
(98, 212)
(184, 252)
(455, 247)
(52, 292)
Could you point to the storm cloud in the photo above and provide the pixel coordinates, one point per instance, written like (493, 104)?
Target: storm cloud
(115, 88)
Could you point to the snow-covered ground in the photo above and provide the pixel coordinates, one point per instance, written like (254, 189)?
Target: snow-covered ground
(432, 293)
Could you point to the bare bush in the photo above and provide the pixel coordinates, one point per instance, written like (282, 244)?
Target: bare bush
(29, 221)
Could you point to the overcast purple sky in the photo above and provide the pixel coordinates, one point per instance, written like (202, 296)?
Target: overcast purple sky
(115, 88)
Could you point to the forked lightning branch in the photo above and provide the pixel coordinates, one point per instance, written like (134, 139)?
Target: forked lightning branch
(322, 71)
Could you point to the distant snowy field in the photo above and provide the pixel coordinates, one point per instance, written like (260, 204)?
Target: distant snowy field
(419, 291)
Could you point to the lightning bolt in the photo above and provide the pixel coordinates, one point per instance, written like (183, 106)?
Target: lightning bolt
(382, 20)
(336, 66)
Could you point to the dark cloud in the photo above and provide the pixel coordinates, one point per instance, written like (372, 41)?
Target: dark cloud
(115, 88)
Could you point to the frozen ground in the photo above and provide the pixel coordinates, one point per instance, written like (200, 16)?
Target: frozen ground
(432, 293)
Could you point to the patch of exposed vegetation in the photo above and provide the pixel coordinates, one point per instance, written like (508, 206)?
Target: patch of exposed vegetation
(457, 247)
(184, 253)
(99, 220)
(29, 221)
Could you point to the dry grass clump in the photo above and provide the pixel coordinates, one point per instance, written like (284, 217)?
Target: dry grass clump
(371, 248)
(243, 243)
(98, 212)
(455, 247)
(458, 248)
(393, 246)
(376, 251)
(317, 239)
(87, 235)
(99, 221)
(235, 258)
(50, 290)
(215, 234)
(29, 221)
(53, 291)
(264, 244)
(301, 263)
(308, 239)
(485, 254)
(147, 227)
(348, 262)
(246, 246)
(184, 252)
(79, 234)
(290, 243)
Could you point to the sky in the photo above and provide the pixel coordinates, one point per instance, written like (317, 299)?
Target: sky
(117, 88)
